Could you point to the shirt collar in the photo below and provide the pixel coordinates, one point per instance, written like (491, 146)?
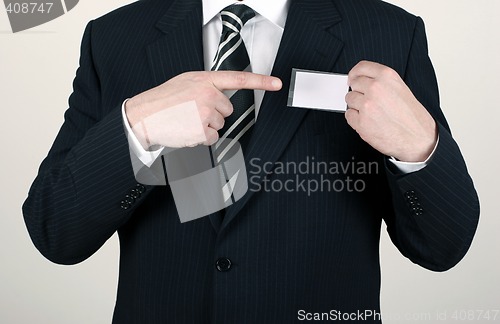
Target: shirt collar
(273, 10)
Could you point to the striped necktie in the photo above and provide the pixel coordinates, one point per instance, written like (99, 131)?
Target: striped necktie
(232, 56)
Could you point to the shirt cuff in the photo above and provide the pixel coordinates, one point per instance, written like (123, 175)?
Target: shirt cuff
(409, 167)
(146, 157)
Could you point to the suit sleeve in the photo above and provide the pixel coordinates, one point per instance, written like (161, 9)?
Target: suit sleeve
(436, 209)
(85, 188)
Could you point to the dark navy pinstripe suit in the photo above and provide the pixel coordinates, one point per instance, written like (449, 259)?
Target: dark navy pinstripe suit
(290, 251)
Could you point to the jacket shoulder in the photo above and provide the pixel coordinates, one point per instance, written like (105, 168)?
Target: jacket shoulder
(374, 10)
(135, 11)
(139, 15)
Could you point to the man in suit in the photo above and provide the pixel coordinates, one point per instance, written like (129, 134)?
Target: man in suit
(274, 256)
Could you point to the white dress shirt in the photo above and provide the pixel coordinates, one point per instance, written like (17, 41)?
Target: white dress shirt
(261, 35)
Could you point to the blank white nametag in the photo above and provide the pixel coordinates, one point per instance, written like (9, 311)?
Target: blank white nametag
(318, 90)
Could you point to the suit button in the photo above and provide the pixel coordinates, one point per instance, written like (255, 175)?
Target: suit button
(134, 193)
(127, 202)
(125, 205)
(223, 264)
(140, 188)
(410, 195)
(130, 199)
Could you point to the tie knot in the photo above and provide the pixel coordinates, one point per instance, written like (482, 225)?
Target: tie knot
(235, 16)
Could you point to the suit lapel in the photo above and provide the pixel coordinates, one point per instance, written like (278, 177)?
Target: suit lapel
(306, 44)
(179, 50)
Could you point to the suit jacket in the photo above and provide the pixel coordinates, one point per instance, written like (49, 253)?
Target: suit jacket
(289, 250)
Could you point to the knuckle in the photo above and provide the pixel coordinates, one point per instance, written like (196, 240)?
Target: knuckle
(373, 86)
(213, 137)
(196, 78)
(205, 113)
(199, 76)
(225, 107)
(229, 110)
(208, 93)
(368, 105)
(348, 114)
(215, 123)
(389, 73)
(240, 79)
(266, 82)
(349, 99)
(362, 64)
(221, 123)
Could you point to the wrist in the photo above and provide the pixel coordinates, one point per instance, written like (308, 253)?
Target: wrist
(424, 150)
(133, 111)
(135, 118)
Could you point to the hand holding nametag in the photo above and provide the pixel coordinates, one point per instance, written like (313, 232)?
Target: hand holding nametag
(380, 108)
(386, 114)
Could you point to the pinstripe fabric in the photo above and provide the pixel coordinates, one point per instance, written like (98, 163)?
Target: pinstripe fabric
(289, 250)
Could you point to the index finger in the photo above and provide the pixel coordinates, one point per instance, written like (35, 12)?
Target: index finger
(367, 69)
(236, 80)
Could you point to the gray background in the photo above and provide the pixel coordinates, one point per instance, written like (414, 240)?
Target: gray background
(36, 72)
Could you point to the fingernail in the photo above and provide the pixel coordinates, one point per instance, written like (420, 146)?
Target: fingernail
(276, 83)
